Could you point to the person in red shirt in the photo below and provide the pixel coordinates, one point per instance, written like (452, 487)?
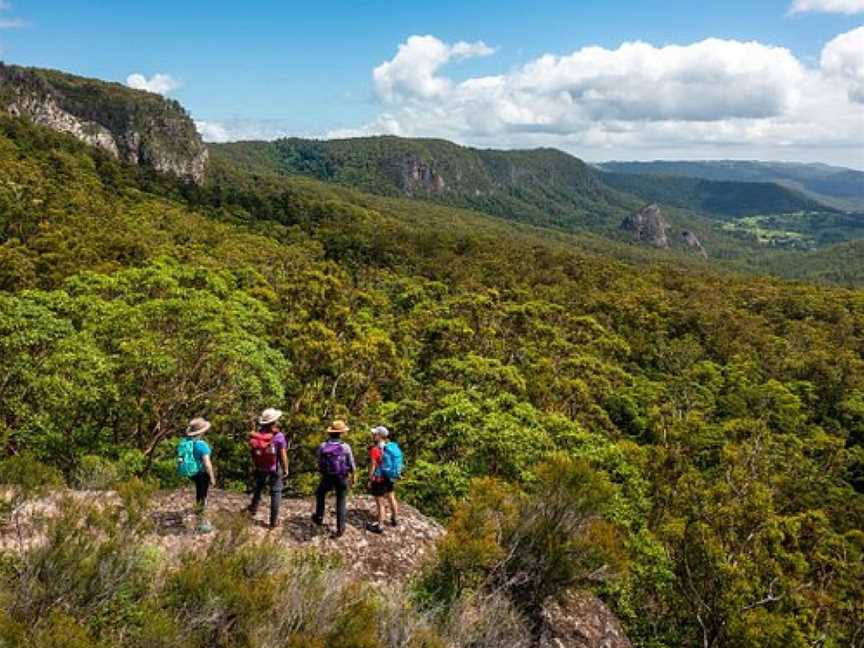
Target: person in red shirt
(381, 487)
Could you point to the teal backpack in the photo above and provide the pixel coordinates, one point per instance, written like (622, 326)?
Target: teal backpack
(391, 461)
(187, 464)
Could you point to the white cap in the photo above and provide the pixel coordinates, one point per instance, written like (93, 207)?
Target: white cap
(381, 431)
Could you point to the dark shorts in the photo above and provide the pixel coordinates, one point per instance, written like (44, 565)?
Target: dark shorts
(380, 487)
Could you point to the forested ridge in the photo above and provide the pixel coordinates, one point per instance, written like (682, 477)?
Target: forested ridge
(695, 436)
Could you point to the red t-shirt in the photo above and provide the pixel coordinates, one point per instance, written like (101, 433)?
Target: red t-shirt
(375, 456)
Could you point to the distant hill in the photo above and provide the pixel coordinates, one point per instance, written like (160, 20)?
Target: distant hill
(541, 186)
(138, 127)
(835, 186)
(725, 198)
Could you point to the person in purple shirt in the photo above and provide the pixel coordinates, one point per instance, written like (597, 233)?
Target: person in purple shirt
(270, 456)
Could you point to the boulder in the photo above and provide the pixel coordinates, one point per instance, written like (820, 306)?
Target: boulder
(580, 620)
(694, 244)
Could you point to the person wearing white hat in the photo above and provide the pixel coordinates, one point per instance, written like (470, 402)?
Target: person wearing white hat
(270, 456)
(384, 467)
(193, 462)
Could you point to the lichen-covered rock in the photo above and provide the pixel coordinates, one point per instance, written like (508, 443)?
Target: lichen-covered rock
(648, 226)
(581, 620)
(137, 127)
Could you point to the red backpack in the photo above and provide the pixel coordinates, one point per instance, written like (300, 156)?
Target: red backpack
(263, 451)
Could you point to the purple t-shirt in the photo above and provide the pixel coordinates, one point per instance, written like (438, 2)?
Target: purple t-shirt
(279, 443)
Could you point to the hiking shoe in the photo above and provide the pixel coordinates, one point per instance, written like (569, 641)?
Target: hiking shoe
(204, 527)
(374, 527)
(318, 521)
(394, 522)
(337, 534)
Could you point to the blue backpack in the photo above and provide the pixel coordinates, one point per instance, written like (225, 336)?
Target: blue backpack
(187, 464)
(391, 461)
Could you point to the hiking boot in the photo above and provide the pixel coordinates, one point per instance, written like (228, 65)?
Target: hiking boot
(374, 527)
(393, 521)
(337, 534)
(317, 521)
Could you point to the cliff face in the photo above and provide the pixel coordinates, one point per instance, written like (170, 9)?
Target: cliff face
(135, 126)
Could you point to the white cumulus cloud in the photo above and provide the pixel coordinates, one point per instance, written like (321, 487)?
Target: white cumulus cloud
(412, 72)
(827, 6)
(843, 58)
(158, 83)
(710, 98)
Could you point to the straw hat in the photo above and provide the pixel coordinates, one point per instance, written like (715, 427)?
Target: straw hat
(269, 415)
(197, 427)
(338, 427)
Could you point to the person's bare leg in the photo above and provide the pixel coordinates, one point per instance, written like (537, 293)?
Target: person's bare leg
(393, 506)
(379, 503)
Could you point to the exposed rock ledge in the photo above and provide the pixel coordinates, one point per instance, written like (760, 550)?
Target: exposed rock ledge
(578, 620)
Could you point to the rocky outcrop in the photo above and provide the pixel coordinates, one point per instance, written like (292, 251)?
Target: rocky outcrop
(45, 111)
(694, 244)
(648, 226)
(581, 620)
(394, 555)
(577, 620)
(137, 127)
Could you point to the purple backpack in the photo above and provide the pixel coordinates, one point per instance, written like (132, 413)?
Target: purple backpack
(333, 460)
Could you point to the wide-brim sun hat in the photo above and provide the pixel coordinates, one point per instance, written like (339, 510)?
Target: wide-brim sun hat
(380, 430)
(269, 415)
(197, 427)
(338, 427)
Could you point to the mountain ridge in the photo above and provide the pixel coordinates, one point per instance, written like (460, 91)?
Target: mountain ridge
(136, 126)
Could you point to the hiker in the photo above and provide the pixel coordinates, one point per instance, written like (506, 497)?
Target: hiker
(193, 462)
(385, 467)
(270, 456)
(336, 466)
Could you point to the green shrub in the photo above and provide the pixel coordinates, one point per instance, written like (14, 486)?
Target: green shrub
(95, 473)
(530, 545)
(29, 476)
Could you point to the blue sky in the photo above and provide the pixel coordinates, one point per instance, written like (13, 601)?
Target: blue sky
(274, 68)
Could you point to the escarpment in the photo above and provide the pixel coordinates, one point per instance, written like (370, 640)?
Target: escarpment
(131, 125)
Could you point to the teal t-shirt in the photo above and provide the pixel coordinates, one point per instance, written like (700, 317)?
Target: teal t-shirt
(200, 449)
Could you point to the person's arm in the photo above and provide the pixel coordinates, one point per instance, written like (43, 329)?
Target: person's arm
(283, 456)
(373, 463)
(351, 463)
(208, 466)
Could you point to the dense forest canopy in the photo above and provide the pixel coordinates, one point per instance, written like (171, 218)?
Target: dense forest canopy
(716, 419)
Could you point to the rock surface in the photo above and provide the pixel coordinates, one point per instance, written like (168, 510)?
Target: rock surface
(134, 126)
(694, 244)
(648, 226)
(581, 620)
(397, 553)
